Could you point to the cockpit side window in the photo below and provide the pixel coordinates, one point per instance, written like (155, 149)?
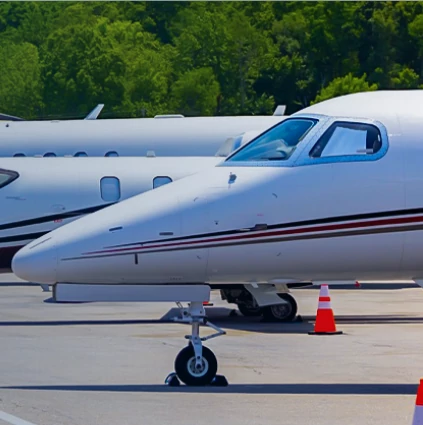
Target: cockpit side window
(276, 144)
(348, 139)
(7, 177)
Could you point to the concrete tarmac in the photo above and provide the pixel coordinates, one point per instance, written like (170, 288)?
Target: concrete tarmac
(105, 364)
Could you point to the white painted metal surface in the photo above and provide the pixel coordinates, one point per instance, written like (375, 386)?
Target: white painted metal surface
(64, 292)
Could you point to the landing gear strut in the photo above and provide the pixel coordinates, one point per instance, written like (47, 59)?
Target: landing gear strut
(195, 364)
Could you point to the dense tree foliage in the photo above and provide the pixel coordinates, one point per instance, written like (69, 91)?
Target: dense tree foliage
(201, 58)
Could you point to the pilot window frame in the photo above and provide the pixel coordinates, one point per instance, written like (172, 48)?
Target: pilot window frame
(161, 177)
(13, 175)
(116, 179)
(355, 157)
(315, 121)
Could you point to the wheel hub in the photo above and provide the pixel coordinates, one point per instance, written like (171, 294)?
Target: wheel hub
(281, 310)
(200, 369)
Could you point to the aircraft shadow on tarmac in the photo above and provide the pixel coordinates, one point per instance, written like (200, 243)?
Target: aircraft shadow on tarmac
(230, 319)
(303, 389)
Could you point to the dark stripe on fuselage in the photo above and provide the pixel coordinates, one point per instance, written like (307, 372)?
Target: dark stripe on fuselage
(264, 241)
(341, 230)
(7, 253)
(47, 218)
(327, 220)
(24, 237)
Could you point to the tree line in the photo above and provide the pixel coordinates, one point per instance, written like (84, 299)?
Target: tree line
(60, 59)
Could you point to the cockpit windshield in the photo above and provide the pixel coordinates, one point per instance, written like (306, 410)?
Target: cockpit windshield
(278, 143)
(7, 176)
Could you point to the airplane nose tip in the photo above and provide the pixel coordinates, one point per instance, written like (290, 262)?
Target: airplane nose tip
(36, 264)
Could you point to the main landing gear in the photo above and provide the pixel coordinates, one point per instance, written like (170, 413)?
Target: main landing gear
(285, 308)
(196, 365)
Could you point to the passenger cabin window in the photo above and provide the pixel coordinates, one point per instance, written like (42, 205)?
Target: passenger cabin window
(79, 154)
(49, 154)
(111, 153)
(7, 177)
(276, 144)
(161, 181)
(110, 189)
(346, 139)
(19, 155)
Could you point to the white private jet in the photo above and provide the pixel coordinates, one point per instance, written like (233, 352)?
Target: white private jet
(159, 136)
(334, 192)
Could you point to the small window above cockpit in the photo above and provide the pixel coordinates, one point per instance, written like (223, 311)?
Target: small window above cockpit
(111, 154)
(346, 139)
(277, 143)
(80, 154)
(7, 177)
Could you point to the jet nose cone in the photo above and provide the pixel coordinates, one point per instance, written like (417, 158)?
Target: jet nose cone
(36, 262)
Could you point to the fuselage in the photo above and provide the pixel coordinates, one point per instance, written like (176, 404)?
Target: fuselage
(201, 136)
(41, 194)
(332, 193)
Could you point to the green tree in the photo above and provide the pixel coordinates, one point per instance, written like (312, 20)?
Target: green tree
(404, 78)
(196, 93)
(21, 87)
(344, 85)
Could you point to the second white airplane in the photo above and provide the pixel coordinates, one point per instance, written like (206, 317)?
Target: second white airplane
(161, 136)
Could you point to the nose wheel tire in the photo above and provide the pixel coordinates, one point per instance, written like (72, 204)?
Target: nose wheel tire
(285, 312)
(190, 373)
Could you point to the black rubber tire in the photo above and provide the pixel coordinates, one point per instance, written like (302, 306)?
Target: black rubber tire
(291, 313)
(249, 312)
(182, 367)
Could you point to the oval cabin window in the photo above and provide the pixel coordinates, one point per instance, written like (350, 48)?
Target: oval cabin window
(110, 189)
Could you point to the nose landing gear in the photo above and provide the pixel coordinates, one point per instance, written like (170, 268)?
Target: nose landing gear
(196, 365)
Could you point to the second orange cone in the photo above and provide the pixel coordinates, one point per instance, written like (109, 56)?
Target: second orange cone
(325, 320)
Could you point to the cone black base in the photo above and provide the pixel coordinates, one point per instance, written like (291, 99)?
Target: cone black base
(326, 333)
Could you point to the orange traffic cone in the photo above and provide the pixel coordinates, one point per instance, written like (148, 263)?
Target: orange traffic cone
(418, 410)
(325, 321)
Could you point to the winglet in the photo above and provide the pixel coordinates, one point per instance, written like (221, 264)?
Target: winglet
(95, 112)
(280, 110)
